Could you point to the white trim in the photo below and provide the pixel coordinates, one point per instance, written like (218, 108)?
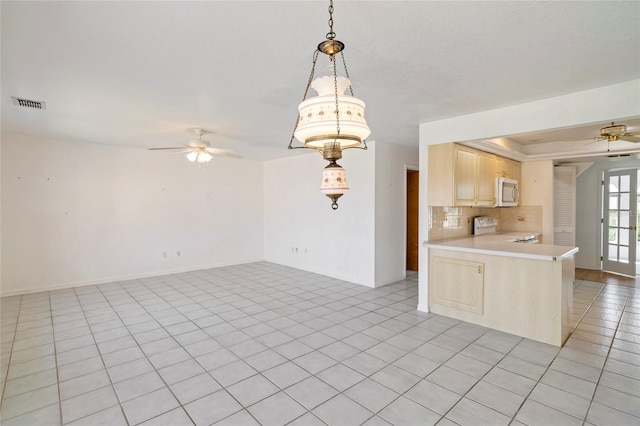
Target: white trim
(392, 281)
(320, 272)
(423, 308)
(125, 278)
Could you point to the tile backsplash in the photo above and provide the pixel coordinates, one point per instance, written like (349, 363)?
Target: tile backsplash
(449, 222)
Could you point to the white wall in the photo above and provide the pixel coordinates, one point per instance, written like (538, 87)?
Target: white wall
(79, 213)
(589, 208)
(537, 190)
(301, 229)
(391, 201)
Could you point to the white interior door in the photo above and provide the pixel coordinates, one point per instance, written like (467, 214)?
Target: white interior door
(564, 205)
(619, 221)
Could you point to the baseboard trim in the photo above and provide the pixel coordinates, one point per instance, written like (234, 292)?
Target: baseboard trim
(423, 308)
(394, 280)
(125, 277)
(315, 271)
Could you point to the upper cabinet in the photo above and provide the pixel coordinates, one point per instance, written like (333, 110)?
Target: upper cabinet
(507, 168)
(462, 176)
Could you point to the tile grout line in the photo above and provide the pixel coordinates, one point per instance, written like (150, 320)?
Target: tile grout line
(55, 359)
(587, 310)
(375, 372)
(607, 358)
(314, 349)
(145, 356)
(483, 376)
(13, 341)
(309, 411)
(84, 314)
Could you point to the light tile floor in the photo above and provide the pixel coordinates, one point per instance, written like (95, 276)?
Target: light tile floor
(266, 344)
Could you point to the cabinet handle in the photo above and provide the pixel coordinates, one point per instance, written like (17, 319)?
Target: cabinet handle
(479, 269)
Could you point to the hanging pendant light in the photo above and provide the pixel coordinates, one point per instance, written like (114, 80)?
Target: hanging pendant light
(332, 121)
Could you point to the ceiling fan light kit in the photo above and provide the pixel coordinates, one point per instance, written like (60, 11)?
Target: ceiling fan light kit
(332, 121)
(199, 151)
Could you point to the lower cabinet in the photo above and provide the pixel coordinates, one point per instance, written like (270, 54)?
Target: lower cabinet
(531, 298)
(458, 284)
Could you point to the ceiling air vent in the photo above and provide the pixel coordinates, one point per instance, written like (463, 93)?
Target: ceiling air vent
(28, 103)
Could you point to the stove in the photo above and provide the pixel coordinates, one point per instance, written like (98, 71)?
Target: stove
(486, 225)
(528, 239)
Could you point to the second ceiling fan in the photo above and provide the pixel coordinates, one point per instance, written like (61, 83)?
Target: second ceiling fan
(200, 150)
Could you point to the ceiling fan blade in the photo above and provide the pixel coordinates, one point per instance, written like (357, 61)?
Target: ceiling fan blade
(225, 152)
(596, 139)
(158, 149)
(630, 138)
(593, 139)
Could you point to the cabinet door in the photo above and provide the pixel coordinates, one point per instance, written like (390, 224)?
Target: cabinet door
(485, 192)
(458, 284)
(502, 166)
(515, 170)
(465, 175)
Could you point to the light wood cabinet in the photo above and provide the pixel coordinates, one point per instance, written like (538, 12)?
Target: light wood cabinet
(485, 179)
(516, 170)
(481, 289)
(507, 168)
(461, 176)
(457, 283)
(464, 178)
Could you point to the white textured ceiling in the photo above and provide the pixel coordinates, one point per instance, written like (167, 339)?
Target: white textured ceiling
(142, 73)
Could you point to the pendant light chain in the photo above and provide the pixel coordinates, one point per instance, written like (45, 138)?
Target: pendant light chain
(331, 35)
(304, 97)
(346, 72)
(335, 92)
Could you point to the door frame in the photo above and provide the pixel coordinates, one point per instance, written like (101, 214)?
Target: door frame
(604, 218)
(408, 168)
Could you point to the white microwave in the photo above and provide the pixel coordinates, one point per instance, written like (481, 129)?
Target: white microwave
(506, 192)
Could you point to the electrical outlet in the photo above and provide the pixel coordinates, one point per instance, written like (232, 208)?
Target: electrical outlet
(164, 254)
(178, 253)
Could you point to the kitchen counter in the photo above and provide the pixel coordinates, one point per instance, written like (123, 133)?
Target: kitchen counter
(490, 280)
(503, 245)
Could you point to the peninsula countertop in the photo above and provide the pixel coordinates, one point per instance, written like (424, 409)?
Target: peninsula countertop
(503, 245)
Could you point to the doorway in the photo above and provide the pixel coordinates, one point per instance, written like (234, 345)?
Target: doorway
(620, 222)
(412, 249)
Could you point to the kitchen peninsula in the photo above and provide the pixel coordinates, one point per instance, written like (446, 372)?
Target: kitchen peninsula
(490, 280)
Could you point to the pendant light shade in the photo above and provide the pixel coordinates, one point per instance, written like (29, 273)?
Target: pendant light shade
(317, 124)
(334, 183)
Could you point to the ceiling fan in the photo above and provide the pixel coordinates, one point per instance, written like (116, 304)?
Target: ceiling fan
(617, 132)
(200, 151)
